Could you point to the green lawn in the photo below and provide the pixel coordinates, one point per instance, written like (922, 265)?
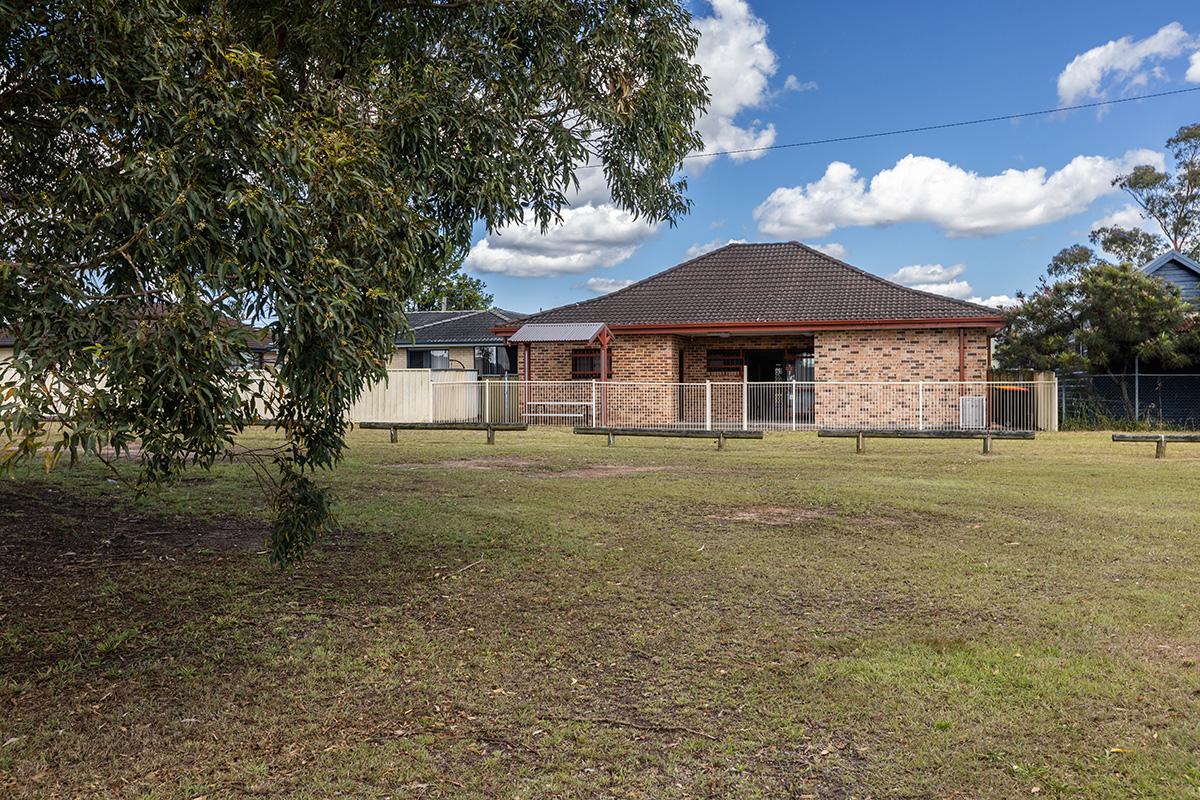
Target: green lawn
(551, 617)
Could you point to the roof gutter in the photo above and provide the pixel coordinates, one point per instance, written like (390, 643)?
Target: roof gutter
(989, 323)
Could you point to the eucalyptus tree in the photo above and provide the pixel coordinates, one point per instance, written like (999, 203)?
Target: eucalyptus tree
(179, 179)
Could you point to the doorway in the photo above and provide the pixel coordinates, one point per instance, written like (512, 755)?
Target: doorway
(764, 366)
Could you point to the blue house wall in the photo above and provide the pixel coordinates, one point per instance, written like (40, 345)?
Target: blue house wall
(1176, 268)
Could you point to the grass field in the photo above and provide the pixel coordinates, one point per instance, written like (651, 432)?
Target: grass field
(554, 618)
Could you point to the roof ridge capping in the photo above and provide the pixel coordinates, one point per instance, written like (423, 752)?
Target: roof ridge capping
(458, 315)
(901, 286)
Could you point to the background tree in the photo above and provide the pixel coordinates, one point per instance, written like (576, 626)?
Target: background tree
(1093, 314)
(1088, 315)
(1171, 201)
(172, 169)
(447, 286)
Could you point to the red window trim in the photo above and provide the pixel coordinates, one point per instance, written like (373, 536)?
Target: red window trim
(588, 375)
(725, 359)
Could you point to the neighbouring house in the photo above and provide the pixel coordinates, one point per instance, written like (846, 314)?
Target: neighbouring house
(437, 340)
(767, 313)
(457, 340)
(1177, 269)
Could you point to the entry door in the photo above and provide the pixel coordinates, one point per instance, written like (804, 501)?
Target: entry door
(767, 404)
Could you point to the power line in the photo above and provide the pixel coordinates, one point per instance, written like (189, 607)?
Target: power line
(938, 127)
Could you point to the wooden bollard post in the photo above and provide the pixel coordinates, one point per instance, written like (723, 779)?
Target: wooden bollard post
(720, 440)
(392, 435)
(491, 439)
(860, 443)
(611, 438)
(987, 443)
(1160, 447)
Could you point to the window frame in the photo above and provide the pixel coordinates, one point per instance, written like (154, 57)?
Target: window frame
(578, 374)
(725, 359)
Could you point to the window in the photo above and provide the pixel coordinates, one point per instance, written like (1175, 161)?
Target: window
(494, 360)
(726, 360)
(585, 364)
(429, 359)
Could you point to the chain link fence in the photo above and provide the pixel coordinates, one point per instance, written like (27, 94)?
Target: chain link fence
(1129, 401)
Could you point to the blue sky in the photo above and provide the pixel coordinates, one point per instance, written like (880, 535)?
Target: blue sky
(964, 211)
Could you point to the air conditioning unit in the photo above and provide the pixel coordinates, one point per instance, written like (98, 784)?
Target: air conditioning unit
(972, 411)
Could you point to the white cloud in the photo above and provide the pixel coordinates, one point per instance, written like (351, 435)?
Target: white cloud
(947, 281)
(1125, 59)
(594, 233)
(838, 251)
(700, 248)
(934, 278)
(1193, 73)
(589, 237)
(961, 203)
(1129, 216)
(926, 273)
(734, 55)
(996, 301)
(794, 84)
(606, 285)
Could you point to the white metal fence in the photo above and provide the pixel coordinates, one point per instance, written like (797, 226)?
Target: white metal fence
(901, 405)
(431, 396)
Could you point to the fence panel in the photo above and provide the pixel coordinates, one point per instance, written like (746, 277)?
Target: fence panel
(403, 397)
(559, 402)
(1165, 401)
(759, 406)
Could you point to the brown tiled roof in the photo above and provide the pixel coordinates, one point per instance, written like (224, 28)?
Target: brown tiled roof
(770, 283)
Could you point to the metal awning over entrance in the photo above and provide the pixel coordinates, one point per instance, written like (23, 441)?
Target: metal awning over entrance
(583, 332)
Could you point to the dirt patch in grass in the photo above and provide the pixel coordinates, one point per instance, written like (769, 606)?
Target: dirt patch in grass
(780, 516)
(39, 518)
(500, 462)
(770, 515)
(601, 471)
(532, 467)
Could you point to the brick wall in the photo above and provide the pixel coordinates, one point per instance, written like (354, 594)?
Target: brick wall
(649, 359)
(904, 355)
(840, 356)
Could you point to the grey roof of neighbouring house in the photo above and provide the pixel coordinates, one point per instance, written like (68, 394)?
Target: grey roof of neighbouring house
(558, 332)
(770, 282)
(455, 327)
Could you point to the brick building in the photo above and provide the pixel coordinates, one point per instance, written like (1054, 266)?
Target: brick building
(759, 313)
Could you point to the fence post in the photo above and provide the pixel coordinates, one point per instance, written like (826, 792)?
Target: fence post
(1056, 421)
(1062, 398)
(921, 405)
(592, 421)
(708, 405)
(1137, 389)
(745, 397)
(487, 402)
(794, 393)
(431, 397)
